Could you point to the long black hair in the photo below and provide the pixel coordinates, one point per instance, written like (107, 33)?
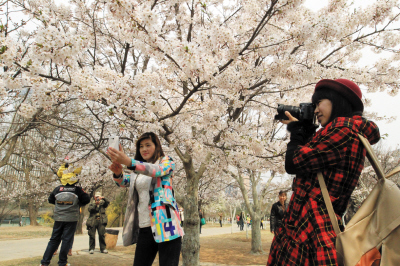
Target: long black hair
(341, 107)
(158, 151)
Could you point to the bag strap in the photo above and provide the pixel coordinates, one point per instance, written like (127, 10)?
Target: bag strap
(393, 172)
(372, 157)
(328, 203)
(375, 164)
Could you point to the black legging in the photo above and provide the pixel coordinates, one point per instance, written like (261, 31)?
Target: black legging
(147, 248)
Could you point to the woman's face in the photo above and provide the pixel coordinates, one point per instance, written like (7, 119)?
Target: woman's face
(147, 149)
(282, 197)
(323, 111)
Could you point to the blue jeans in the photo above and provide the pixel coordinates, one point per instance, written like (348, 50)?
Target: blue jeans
(61, 231)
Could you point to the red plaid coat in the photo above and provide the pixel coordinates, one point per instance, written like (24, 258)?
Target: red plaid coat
(307, 236)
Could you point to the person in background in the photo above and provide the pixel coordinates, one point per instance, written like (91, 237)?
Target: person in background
(220, 219)
(97, 221)
(182, 215)
(200, 217)
(277, 211)
(67, 199)
(241, 221)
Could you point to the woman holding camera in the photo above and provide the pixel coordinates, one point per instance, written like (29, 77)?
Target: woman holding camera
(307, 236)
(152, 220)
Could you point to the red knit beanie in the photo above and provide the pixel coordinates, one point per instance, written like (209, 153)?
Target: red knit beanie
(346, 88)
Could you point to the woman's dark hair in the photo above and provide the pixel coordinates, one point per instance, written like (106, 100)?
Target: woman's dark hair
(341, 107)
(158, 151)
(282, 192)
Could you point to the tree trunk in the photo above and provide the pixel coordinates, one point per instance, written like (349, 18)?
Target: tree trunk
(33, 212)
(121, 220)
(256, 247)
(233, 217)
(79, 228)
(191, 240)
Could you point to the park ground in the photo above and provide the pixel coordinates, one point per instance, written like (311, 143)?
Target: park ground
(221, 249)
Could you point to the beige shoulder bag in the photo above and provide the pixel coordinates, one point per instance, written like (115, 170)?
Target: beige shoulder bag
(372, 237)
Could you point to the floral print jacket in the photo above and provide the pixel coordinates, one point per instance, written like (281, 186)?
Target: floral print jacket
(163, 209)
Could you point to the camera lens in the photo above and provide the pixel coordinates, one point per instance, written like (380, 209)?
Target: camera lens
(293, 110)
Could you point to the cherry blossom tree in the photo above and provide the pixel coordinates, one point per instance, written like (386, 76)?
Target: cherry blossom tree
(192, 71)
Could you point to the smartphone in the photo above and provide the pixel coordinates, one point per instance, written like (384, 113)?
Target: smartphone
(113, 142)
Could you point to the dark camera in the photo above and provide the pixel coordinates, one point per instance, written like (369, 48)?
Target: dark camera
(304, 112)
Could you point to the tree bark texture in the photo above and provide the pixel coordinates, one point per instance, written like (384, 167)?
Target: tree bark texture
(79, 227)
(32, 208)
(191, 240)
(33, 212)
(256, 247)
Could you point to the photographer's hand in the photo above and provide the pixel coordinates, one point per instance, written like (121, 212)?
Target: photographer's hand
(291, 118)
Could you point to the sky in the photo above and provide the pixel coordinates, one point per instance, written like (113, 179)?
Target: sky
(381, 103)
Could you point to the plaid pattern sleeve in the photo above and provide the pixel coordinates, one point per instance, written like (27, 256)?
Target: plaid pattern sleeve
(323, 151)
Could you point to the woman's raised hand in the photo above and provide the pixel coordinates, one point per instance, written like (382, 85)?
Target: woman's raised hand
(291, 118)
(119, 156)
(116, 168)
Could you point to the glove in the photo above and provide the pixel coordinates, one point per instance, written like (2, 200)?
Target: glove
(300, 131)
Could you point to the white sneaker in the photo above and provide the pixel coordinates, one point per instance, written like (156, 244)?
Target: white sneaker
(105, 251)
(91, 251)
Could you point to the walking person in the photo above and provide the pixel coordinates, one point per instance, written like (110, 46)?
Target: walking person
(241, 221)
(67, 199)
(97, 221)
(277, 211)
(220, 219)
(152, 220)
(200, 217)
(307, 236)
(248, 219)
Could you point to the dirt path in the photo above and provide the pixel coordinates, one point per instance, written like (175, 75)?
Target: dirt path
(28, 248)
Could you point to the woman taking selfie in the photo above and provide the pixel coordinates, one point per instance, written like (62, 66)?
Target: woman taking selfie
(152, 219)
(307, 236)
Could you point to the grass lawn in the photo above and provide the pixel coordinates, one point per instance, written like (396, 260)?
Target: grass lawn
(24, 232)
(234, 249)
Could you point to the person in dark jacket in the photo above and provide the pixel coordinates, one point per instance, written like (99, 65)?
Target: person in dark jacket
(277, 211)
(241, 222)
(97, 221)
(307, 236)
(67, 198)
